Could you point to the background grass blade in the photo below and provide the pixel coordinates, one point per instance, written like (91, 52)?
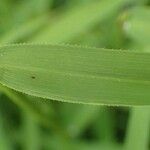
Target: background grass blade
(5, 142)
(31, 133)
(138, 129)
(104, 76)
(26, 105)
(77, 20)
(25, 30)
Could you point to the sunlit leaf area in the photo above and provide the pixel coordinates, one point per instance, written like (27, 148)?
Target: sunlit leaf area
(74, 74)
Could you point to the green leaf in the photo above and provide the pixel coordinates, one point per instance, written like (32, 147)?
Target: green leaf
(27, 106)
(25, 30)
(77, 74)
(31, 133)
(138, 129)
(78, 20)
(5, 142)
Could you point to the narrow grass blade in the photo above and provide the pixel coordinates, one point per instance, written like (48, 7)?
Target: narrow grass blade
(5, 143)
(105, 124)
(25, 30)
(27, 106)
(31, 133)
(138, 129)
(81, 119)
(77, 74)
(77, 20)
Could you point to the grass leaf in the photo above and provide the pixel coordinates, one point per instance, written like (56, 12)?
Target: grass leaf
(77, 20)
(77, 74)
(138, 129)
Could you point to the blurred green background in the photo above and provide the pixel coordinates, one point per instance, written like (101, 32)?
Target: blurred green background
(30, 123)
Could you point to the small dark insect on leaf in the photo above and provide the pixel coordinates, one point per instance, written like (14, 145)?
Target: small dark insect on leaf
(33, 77)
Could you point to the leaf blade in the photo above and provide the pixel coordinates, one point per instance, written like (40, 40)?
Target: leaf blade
(76, 74)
